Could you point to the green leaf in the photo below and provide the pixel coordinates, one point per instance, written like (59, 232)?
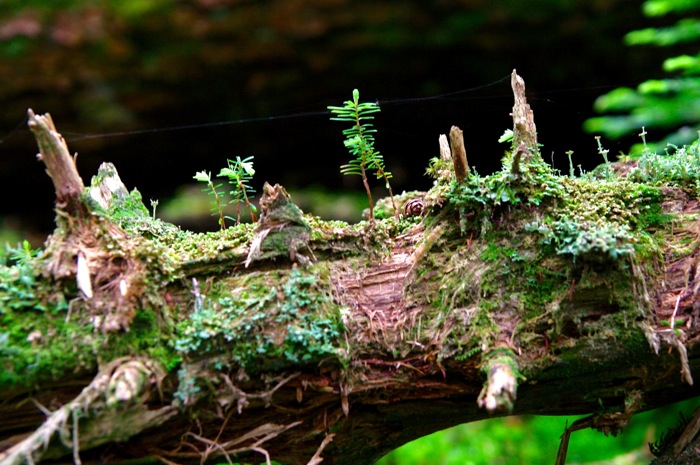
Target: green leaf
(663, 7)
(507, 136)
(203, 176)
(683, 62)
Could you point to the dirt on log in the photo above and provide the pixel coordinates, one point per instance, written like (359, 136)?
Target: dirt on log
(306, 341)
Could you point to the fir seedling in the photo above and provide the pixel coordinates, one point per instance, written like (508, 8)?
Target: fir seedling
(359, 140)
(239, 174)
(217, 204)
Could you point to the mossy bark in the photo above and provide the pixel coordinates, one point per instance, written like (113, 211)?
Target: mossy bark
(524, 292)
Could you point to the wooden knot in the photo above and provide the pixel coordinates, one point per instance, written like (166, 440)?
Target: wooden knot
(413, 207)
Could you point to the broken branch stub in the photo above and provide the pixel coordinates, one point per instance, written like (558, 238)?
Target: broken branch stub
(59, 164)
(524, 130)
(459, 154)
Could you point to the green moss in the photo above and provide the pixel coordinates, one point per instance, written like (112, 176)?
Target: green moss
(624, 347)
(681, 168)
(43, 337)
(36, 350)
(260, 326)
(575, 236)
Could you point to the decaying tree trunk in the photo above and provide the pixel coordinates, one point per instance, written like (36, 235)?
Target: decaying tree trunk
(304, 341)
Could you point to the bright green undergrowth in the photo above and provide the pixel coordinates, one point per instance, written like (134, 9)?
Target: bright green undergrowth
(527, 440)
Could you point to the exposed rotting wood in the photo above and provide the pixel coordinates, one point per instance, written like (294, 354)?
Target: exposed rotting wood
(376, 294)
(281, 222)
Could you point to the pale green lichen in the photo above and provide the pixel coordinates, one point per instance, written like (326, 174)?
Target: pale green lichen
(259, 325)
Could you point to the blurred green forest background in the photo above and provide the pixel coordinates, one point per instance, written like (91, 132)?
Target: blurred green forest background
(535, 440)
(167, 88)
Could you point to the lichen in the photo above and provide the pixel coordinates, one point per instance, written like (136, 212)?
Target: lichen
(260, 325)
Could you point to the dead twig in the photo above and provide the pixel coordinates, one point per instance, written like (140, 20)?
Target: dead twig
(316, 459)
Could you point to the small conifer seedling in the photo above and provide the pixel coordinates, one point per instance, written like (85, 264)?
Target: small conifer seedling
(359, 140)
(217, 203)
(239, 174)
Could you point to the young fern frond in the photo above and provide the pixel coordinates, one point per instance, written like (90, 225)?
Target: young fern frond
(359, 140)
(217, 205)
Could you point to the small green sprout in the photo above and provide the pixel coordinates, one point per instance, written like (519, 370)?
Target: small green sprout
(240, 173)
(604, 153)
(218, 204)
(643, 135)
(601, 150)
(154, 204)
(572, 174)
(359, 141)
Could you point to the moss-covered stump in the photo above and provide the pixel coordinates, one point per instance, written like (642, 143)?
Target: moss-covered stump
(295, 339)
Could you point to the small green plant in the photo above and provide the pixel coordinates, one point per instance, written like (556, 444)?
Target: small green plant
(18, 279)
(572, 173)
(604, 153)
(359, 140)
(239, 174)
(217, 205)
(601, 150)
(154, 204)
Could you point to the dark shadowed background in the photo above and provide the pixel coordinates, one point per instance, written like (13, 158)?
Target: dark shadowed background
(128, 65)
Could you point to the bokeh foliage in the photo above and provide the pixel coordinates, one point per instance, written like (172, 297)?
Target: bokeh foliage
(670, 104)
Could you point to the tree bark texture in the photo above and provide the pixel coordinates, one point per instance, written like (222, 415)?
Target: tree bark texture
(300, 341)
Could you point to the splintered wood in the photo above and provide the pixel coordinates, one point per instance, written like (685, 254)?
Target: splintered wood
(59, 164)
(524, 130)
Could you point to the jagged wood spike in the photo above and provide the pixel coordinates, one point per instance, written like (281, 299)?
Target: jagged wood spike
(524, 130)
(59, 164)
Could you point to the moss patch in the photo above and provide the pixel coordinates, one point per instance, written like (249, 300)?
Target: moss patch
(260, 326)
